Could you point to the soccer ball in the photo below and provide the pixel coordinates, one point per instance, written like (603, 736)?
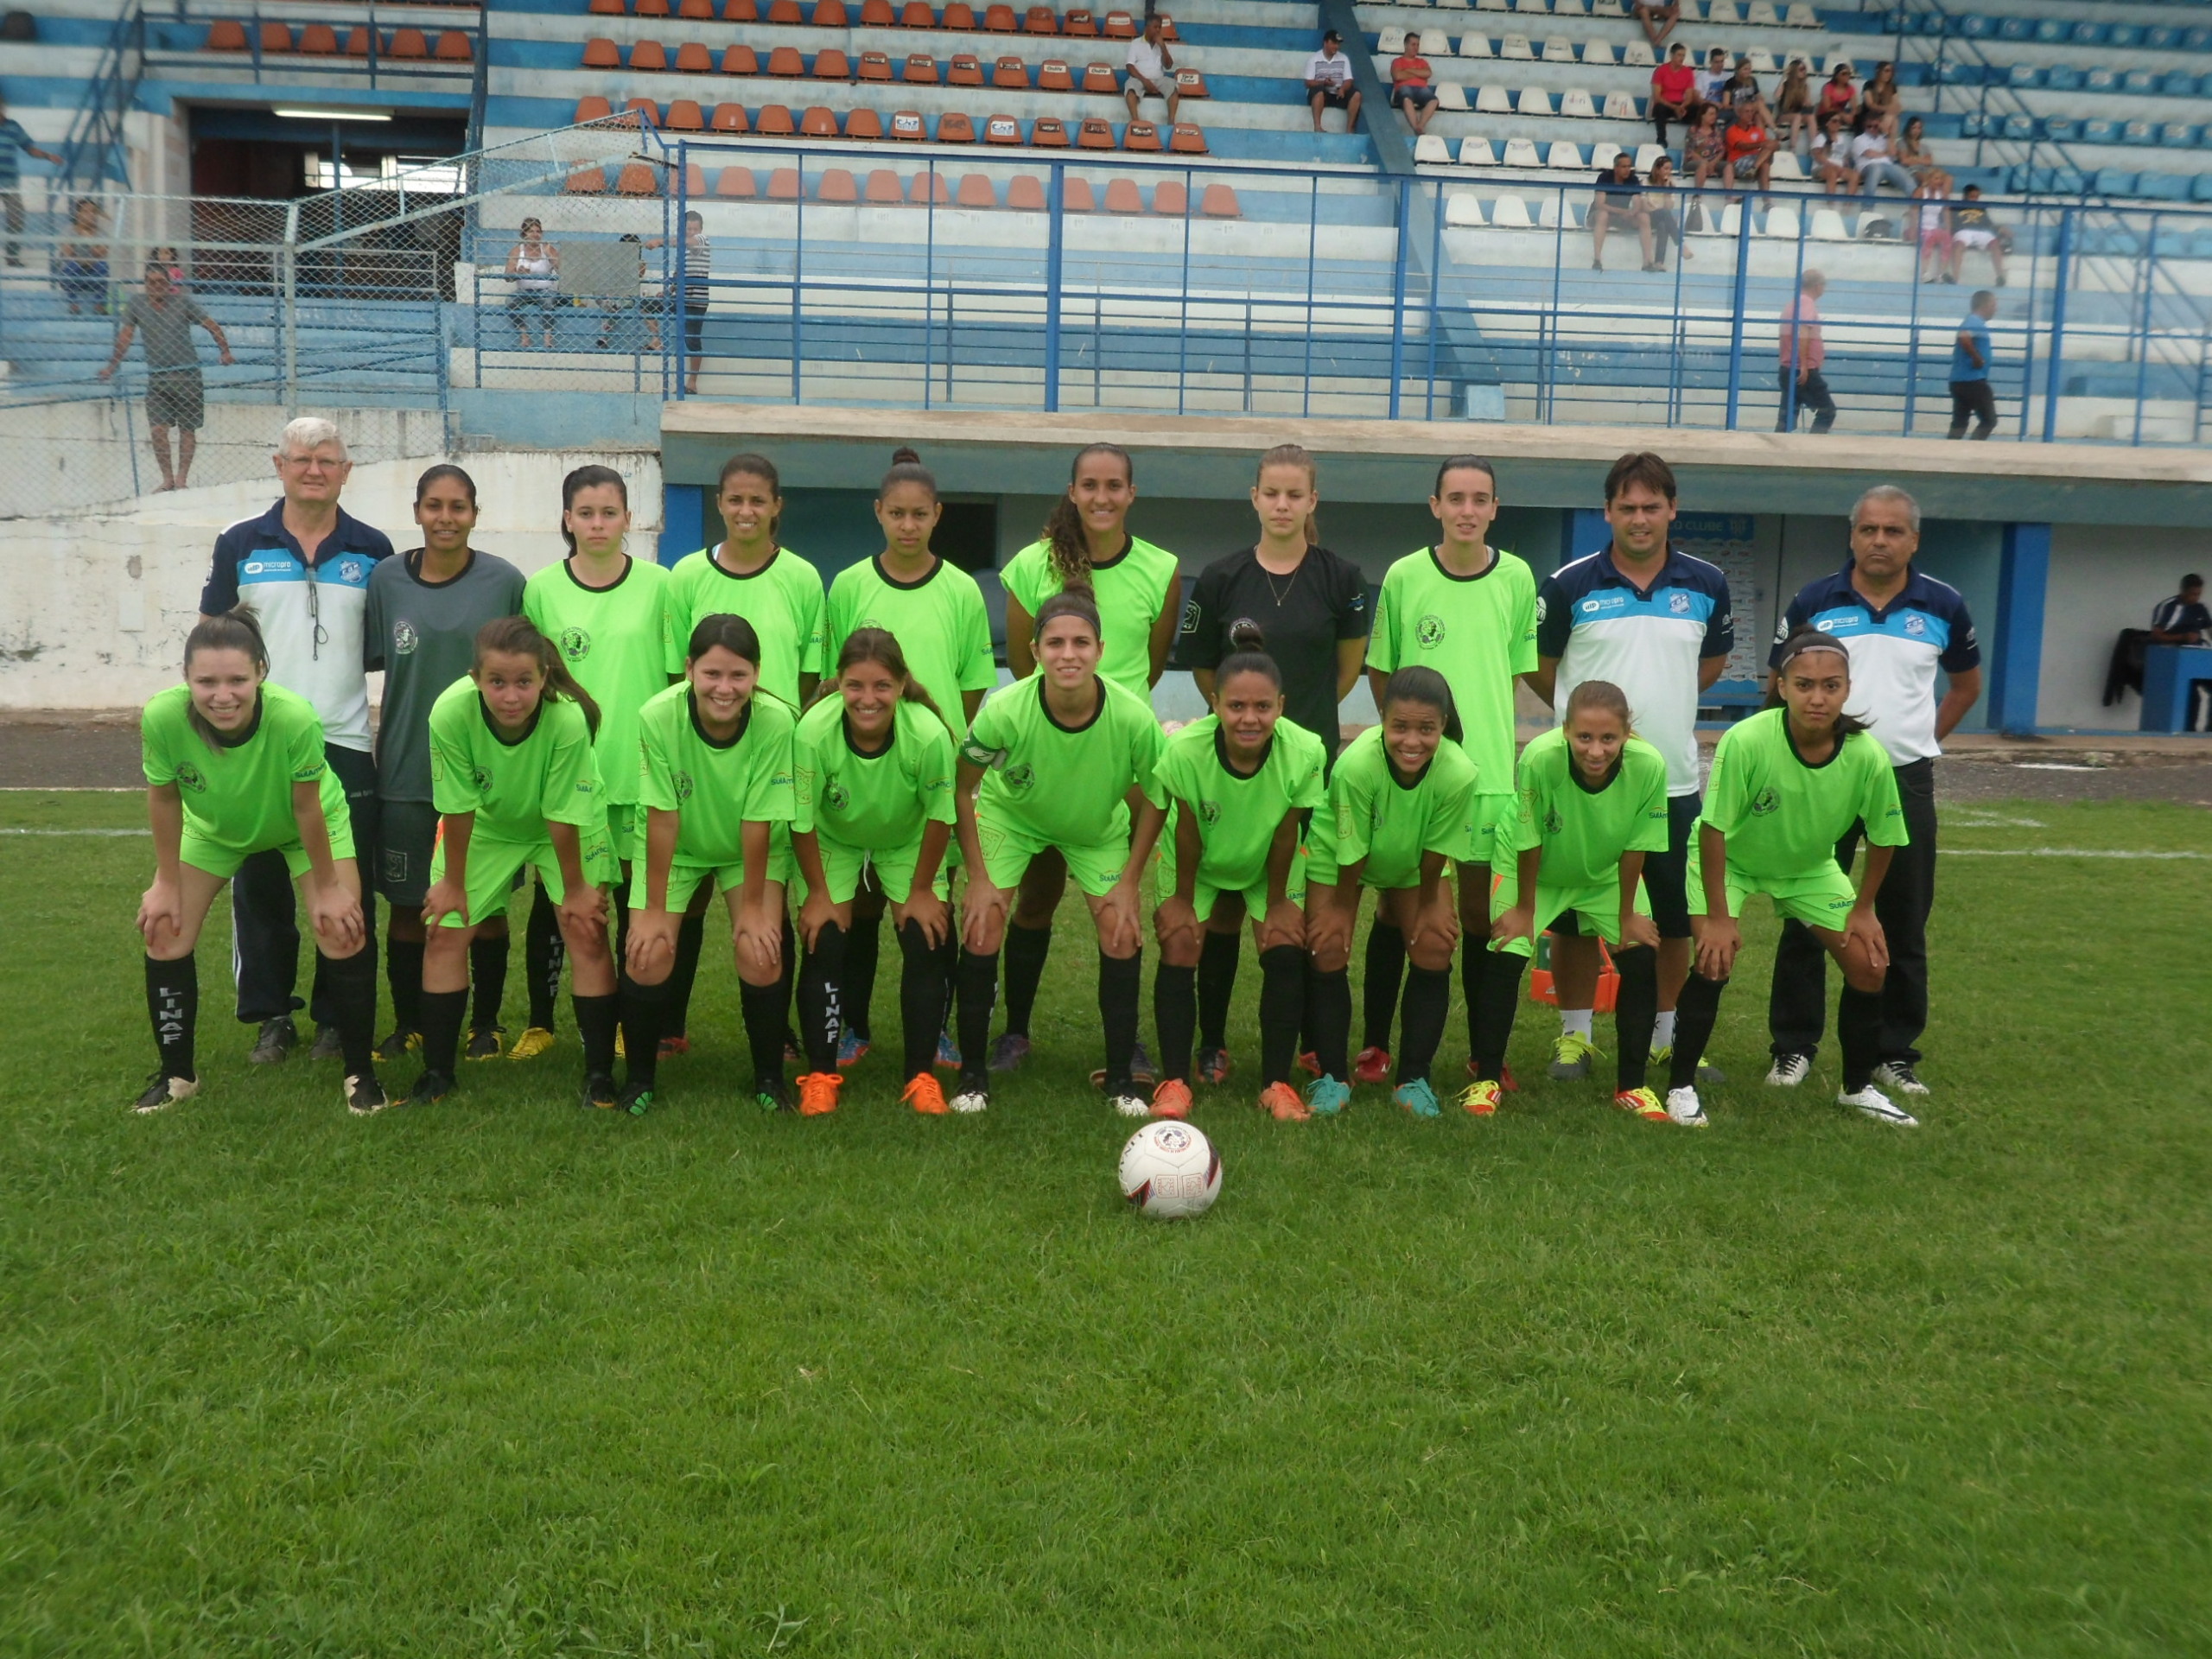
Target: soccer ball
(1170, 1170)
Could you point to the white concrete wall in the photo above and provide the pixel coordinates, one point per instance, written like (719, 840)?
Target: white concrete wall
(2104, 579)
(94, 607)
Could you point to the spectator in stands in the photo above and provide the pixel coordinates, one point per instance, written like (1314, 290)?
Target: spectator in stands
(1703, 150)
(1148, 68)
(1742, 87)
(1839, 97)
(2183, 619)
(1617, 202)
(1795, 104)
(175, 395)
(698, 263)
(1749, 149)
(1913, 154)
(1870, 153)
(534, 268)
(1933, 214)
(1658, 18)
(1832, 156)
(81, 261)
(1663, 211)
(167, 258)
(1328, 82)
(15, 143)
(1803, 386)
(1673, 91)
(1881, 99)
(1410, 87)
(1970, 354)
(1972, 228)
(1713, 77)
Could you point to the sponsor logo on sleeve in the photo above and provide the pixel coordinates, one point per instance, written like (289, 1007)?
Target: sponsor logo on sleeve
(1543, 608)
(1190, 616)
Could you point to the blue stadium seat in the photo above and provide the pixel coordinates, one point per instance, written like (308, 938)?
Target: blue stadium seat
(2014, 29)
(1960, 74)
(2179, 83)
(2160, 38)
(1970, 125)
(2137, 132)
(2059, 129)
(2051, 31)
(2100, 79)
(2202, 192)
(2124, 35)
(2140, 82)
(2019, 126)
(2115, 181)
(1974, 28)
(2055, 181)
(2024, 75)
(2098, 131)
(2062, 78)
(2089, 32)
(2179, 135)
(2197, 40)
(2163, 187)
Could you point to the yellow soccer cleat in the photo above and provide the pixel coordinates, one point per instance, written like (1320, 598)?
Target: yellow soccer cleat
(531, 1043)
(1644, 1102)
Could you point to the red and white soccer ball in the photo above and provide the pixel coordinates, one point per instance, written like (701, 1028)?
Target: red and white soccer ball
(1170, 1171)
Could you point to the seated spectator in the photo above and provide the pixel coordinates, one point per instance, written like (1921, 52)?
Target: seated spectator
(1149, 68)
(1410, 87)
(1713, 77)
(1883, 99)
(2183, 619)
(1973, 229)
(1796, 106)
(1870, 153)
(1328, 82)
(1832, 157)
(1741, 86)
(1703, 150)
(1673, 91)
(1913, 154)
(1663, 211)
(1750, 150)
(81, 261)
(1933, 222)
(1616, 203)
(1840, 97)
(1658, 18)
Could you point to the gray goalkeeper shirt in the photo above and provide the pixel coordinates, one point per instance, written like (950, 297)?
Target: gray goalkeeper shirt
(422, 635)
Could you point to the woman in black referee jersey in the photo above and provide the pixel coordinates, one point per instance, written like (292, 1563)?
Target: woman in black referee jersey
(1312, 606)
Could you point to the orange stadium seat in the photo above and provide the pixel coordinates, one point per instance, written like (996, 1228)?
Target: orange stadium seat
(1012, 74)
(741, 11)
(1094, 133)
(602, 54)
(775, 121)
(929, 187)
(965, 70)
(730, 117)
(960, 16)
(830, 14)
(1000, 20)
(1140, 134)
(877, 13)
(736, 184)
(226, 35)
(1186, 139)
(638, 179)
(645, 109)
(1048, 132)
(1025, 194)
(585, 182)
(916, 14)
(357, 44)
(1052, 76)
(863, 123)
(1099, 78)
(874, 65)
(1001, 130)
(1167, 28)
(836, 184)
(955, 128)
(975, 191)
(684, 114)
(921, 69)
(1076, 196)
(830, 64)
(1121, 197)
(1040, 20)
(883, 187)
(695, 179)
(275, 37)
(784, 184)
(908, 126)
(693, 59)
(592, 108)
(652, 8)
(739, 60)
(1190, 82)
(785, 11)
(1119, 26)
(648, 55)
(1079, 23)
(697, 10)
(818, 123)
(409, 44)
(1170, 197)
(1220, 202)
(786, 61)
(605, 8)
(320, 40)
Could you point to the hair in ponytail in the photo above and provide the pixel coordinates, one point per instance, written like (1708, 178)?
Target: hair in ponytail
(730, 630)
(1294, 454)
(237, 629)
(517, 636)
(588, 477)
(1076, 601)
(1249, 655)
(1427, 686)
(1600, 694)
(1065, 545)
(443, 470)
(1796, 645)
(751, 466)
(906, 468)
(880, 647)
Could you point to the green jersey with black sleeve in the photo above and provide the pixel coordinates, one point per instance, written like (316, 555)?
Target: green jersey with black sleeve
(1479, 632)
(613, 641)
(782, 600)
(422, 635)
(1132, 590)
(514, 786)
(1781, 817)
(1238, 816)
(717, 784)
(1065, 785)
(939, 619)
(1584, 830)
(1391, 824)
(871, 801)
(237, 793)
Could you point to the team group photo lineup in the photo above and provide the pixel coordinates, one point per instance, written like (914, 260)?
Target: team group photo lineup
(648, 772)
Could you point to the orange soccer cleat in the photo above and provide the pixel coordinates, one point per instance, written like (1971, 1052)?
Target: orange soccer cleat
(1172, 1099)
(817, 1093)
(1281, 1102)
(925, 1094)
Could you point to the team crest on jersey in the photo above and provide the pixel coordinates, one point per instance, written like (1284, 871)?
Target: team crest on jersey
(1679, 604)
(836, 798)
(481, 777)
(1210, 811)
(1430, 632)
(1019, 780)
(1764, 802)
(1915, 625)
(575, 643)
(680, 782)
(1553, 823)
(403, 639)
(350, 570)
(190, 777)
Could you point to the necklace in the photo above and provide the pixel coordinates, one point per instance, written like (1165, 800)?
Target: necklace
(1282, 593)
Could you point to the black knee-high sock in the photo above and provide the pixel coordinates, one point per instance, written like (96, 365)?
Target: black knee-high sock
(1428, 999)
(487, 971)
(1282, 1008)
(856, 990)
(1121, 981)
(1500, 991)
(543, 952)
(1026, 950)
(352, 982)
(1328, 1020)
(1636, 1006)
(644, 1010)
(1386, 961)
(821, 1021)
(595, 1021)
(978, 981)
(402, 972)
(764, 1006)
(1859, 1031)
(1699, 1007)
(1476, 961)
(1216, 984)
(925, 993)
(1175, 1016)
(173, 1005)
(443, 1013)
(676, 1014)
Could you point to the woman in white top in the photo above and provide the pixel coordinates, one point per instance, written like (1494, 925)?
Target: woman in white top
(1832, 156)
(534, 268)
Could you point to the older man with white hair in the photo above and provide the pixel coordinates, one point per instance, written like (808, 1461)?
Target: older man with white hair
(302, 568)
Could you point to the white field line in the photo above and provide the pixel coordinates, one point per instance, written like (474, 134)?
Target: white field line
(2059, 852)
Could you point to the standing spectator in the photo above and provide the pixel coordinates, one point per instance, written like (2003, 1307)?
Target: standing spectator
(1410, 87)
(1663, 211)
(1972, 227)
(1803, 386)
(2183, 619)
(14, 143)
(1657, 623)
(1618, 200)
(175, 395)
(1328, 82)
(80, 263)
(698, 262)
(1881, 100)
(1673, 91)
(1839, 97)
(1148, 68)
(534, 268)
(1794, 106)
(1832, 157)
(1703, 152)
(1870, 153)
(1658, 18)
(303, 569)
(1900, 627)
(1970, 354)
(1933, 214)
(1750, 150)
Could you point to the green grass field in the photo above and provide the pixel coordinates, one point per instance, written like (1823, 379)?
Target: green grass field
(505, 1377)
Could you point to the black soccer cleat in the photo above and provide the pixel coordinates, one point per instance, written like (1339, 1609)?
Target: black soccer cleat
(279, 1038)
(429, 1089)
(365, 1096)
(600, 1094)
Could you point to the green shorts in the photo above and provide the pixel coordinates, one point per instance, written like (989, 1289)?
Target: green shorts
(684, 876)
(493, 865)
(625, 830)
(842, 867)
(1598, 908)
(1484, 814)
(1205, 894)
(1007, 851)
(1823, 898)
(1321, 868)
(220, 858)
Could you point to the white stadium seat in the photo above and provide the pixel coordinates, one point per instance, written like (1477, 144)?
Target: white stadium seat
(1515, 46)
(1531, 5)
(1459, 5)
(1519, 152)
(1576, 102)
(1567, 157)
(1392, 42)
(1646, 157)
(1477, 152)
(1787, 165)
(1763, 14)
(1599, 51)
(1547, 216)
(1534, 100)
(1510, 213)
(1492, 5)
(1450, 95)
(1762, 63)
(1601, 156)
(1568, 7)
(1463, 208)
(1781, 223)
(1493, 100)
(1731, 218)
(1474, 46)
(1429, 149)
(1619, 106)
(1801, 16)
(1637, 54)
(1828, 226)
(1723, 12)
(1558, 49)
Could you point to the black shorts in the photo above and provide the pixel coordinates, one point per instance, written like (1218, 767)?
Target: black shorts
(1337, 96)
(1666, 875)
(175, 398)
(408, 837)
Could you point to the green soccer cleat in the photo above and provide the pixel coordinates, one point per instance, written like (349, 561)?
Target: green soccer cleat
(1572, 1053)
(637, 1099)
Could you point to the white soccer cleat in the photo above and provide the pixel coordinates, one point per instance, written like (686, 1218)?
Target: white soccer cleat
(969, 1102)
(1878, 1106)
(1899, 1076)
(1684, 1107)
(1788, 1071)
(163, 1092)
(1130, 1105)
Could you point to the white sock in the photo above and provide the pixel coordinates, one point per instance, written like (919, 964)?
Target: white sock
(1577, 1022)
(1662, 1029)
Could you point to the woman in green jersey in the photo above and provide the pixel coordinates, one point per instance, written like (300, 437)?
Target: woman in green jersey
(1063, 758)
(234, 765)
(1592, 802)
(1138, 589)
(1786, 785)
(717, 792)
(516, 786)
(607, 614)
(936, 611)
(874, 769)
(1239, 783)
(1399, 802)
